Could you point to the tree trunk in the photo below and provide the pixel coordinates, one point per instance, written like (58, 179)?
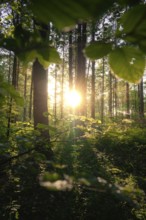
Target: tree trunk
(115, 98)
(93, 90)
(62, 86)
(93, 79)
(25, 95)
(70, 62)
(40, 96)
(81, 67)
(110, 96)
(141, 100)
(30, 99)
(15, 85)
(127, 101)
(102, 93)
(55, 96)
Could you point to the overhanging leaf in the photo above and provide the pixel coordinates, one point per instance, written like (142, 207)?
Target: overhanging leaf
(66, 13)
(97, 50)
(127, 63)
(133, 18)
(49, 54)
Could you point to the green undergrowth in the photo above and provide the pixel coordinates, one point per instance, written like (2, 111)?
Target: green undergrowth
(98, 171)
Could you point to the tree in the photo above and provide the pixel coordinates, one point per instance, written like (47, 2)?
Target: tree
(127, 101)
(141, 99)
(81, 66)
(70, 61)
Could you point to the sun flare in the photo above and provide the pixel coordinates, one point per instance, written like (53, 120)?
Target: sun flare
(73, 98)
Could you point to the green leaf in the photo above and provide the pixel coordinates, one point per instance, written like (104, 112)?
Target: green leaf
(133, 18)
(142, 45)
(61, 13)
(66, 13)
(44, 53)
(9, 43)
(127, 63)
(48, 55)
(50, 176)
(97, 50)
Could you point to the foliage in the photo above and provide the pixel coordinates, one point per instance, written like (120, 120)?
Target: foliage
(98, 50)
(69, 11)
(97, 171)
(29, 46)
(129, 65)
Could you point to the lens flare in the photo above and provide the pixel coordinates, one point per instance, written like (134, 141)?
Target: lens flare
(73, 99)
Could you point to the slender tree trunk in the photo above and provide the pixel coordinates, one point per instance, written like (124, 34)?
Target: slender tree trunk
(81, 67)
(15, 85)
(62, 86)
(55, 95)
(25, 95)
(135, 101)
(93, 90)
(127, 101)
(110, 96)
(15, 73)
(9, 101)
(141, 100)
(115, 98)
(70, 62)
(30, 99)
(93, 80)
(102, 92)
(40, 96)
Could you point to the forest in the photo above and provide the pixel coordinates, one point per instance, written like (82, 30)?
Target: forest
(73, 110)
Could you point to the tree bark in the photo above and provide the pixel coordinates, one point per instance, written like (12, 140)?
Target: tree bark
(70, 62)
(102, 92)
(93, 90)
(141, 100)
(55, 95)
(81, 67)
(93, 79)
(30, 99)
(40, 96)
(25, 95)
(110, 96)
(62, 86)
(127, 101)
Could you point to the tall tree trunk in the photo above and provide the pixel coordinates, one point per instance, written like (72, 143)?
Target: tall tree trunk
(30, 99)
(102, 92)
(115, 98)
(93, 79)
(141, 99)
(70, 62)
(40, 96)
(55, 95)
(15, 85)
(110, 96)
(9, 101)
(81, 67)
(62, 86)
(15, 72)
(127, 101)
(93, 90)
(25, 95)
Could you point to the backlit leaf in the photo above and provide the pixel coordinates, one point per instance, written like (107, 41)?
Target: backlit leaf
(127, 63)
(97, 50)
(65, 13)
(133, 18)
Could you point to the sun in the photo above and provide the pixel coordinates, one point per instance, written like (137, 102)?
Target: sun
(73, 98)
